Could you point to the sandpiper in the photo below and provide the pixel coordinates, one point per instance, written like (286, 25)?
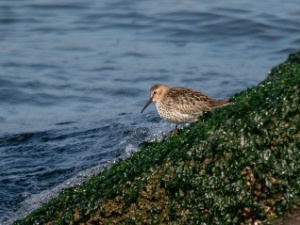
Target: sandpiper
(180, 104)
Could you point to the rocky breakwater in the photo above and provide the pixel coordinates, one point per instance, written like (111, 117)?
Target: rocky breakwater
(238, 165)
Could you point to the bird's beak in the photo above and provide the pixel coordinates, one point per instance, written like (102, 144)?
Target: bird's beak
(148, 103)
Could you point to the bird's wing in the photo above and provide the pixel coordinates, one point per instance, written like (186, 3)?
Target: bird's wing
(188, 101)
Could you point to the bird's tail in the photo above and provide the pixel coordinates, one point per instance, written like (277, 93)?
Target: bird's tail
(221, 103)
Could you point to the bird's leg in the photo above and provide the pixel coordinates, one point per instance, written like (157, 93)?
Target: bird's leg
(174, 131)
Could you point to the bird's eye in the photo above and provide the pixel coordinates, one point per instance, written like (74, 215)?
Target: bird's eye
(155, 92)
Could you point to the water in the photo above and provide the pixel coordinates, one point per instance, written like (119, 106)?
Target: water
(74, 76)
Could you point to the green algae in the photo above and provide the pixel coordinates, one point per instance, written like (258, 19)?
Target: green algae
(237, 165)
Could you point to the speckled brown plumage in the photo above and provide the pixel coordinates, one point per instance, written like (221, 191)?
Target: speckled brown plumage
(180, 104)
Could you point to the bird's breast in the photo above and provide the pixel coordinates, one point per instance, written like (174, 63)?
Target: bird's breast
(173, 115)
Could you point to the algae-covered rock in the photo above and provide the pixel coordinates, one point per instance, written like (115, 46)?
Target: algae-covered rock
(238, 165)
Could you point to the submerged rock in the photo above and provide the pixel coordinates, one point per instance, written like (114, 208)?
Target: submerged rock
(237, 165)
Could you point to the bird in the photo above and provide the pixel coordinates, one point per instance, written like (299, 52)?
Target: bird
(181, 104)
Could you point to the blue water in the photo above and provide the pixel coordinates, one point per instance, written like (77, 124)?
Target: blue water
(74, 76)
